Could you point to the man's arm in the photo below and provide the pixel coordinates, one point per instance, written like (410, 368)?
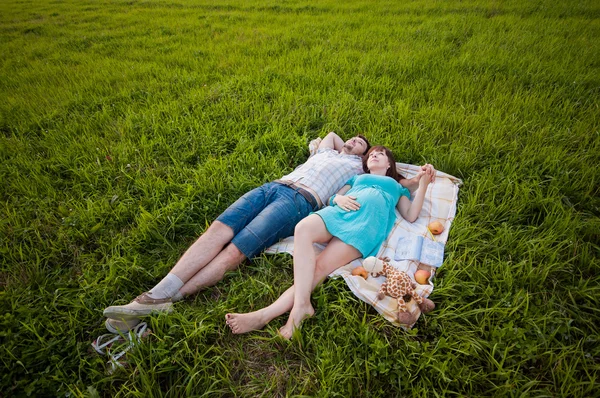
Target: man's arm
(413, 183)
(333, 141)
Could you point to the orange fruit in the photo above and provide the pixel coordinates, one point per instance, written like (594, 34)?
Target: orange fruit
(360, 271)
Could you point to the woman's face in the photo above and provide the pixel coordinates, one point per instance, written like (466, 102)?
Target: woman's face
(378, 160)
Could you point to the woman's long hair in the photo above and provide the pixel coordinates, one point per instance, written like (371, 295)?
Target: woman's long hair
(391, 172)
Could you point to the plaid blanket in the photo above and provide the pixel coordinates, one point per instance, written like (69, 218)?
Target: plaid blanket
(439, 205)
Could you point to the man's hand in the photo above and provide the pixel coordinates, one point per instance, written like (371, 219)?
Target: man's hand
(346, 203)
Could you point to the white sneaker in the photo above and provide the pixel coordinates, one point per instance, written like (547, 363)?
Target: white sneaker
(142, 305)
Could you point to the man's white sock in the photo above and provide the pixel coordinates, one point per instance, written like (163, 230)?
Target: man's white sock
(167, 287)
(177, 297)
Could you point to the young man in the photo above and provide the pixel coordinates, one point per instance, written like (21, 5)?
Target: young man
(254, 222)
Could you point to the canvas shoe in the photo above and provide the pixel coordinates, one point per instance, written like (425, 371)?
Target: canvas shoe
(142, 305)
(120, 326)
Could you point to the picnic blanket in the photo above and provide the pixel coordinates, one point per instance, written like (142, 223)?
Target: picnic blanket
(439, 205)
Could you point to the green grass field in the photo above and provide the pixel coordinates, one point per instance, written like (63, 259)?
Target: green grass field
(126, 127)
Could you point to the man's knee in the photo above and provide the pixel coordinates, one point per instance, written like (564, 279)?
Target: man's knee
(233, 256)
(219, 229)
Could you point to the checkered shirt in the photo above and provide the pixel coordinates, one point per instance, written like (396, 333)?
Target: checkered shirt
(326, 172)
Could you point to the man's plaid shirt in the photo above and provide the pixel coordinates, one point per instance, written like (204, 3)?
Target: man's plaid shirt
(326, 172)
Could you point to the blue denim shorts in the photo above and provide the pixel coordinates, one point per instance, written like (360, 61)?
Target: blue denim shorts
(263, 216)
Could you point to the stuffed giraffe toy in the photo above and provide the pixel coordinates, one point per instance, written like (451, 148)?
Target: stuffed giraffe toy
(398, 285)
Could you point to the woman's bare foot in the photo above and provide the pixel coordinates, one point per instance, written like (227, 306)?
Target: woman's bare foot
(244, 323)
(297, 315)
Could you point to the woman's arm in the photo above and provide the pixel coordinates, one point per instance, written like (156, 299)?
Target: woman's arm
(413, 183)
(345, 202)
(410, 210)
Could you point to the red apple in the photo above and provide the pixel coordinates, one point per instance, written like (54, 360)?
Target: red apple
(436, 227)
(422, 276)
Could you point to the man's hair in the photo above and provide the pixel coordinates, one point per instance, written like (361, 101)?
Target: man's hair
(367, 142)
(392, 171)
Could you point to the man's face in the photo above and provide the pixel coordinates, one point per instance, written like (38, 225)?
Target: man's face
(355, 146)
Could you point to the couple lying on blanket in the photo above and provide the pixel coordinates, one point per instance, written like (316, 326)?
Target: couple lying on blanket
(354, 223)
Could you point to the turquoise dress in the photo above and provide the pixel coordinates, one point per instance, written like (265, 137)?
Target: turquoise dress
(366, 228)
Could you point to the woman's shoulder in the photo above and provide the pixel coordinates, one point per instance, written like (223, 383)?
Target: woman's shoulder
(392, 186)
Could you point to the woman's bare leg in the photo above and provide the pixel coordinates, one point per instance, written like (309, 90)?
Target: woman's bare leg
(309, 231)
(244, 323)
(335, 255)
(327, 262)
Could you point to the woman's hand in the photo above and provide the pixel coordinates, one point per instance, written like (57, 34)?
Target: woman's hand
(346, 203)
(425, 179)
(410, 210)
(427, 169)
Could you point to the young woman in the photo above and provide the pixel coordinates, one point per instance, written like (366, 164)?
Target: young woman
(355, 224)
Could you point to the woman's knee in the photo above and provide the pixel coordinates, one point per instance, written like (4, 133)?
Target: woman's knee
(300, 228)
(308, 228)
(325, 266)
(321, 271)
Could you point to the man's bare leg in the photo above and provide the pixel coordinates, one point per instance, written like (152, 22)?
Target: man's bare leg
(198, 255)
(203, 251)
(207, 248)
(227, 260)
(327, 262)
